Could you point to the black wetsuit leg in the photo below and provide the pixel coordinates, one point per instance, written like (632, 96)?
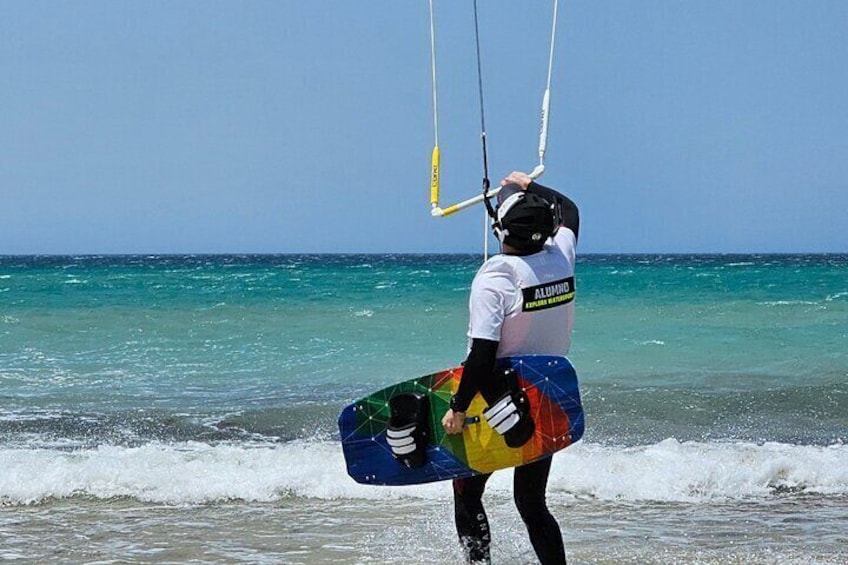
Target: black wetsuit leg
(471, 522)
(529, 486)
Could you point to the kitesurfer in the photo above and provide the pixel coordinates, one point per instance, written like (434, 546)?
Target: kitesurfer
(521, 303)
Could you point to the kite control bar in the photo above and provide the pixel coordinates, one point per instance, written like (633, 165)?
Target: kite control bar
(435, 209)
(438, 212)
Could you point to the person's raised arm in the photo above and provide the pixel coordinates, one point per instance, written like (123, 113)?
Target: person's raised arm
(565, 209)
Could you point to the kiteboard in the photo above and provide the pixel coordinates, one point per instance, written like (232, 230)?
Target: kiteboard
(549, 383)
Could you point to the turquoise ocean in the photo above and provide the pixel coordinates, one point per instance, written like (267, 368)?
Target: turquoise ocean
(182, 409)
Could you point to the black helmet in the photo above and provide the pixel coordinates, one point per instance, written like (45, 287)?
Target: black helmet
(524, 220)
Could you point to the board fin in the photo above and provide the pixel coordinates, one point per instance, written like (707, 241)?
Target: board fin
(409, 428)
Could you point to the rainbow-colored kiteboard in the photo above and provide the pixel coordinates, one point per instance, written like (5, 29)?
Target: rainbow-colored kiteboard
(549, 382)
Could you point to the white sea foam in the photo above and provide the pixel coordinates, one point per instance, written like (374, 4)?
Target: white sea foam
(195, 473)
(699, 472)
(363, 314)
(788, 303)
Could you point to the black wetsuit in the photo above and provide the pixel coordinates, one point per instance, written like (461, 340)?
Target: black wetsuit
(529, 486)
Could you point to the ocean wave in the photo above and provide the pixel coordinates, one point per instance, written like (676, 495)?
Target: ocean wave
(199, 473)
(788, 303)
(673, 471)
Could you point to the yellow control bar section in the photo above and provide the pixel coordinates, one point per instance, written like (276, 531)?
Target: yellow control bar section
(450, 210)
(434, 177)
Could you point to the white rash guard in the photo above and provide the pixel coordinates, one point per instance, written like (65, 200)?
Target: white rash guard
(526, 303)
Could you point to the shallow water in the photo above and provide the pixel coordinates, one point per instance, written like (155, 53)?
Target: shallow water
(299, 530)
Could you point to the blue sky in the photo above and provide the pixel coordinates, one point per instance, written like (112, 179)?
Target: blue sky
(283, 126)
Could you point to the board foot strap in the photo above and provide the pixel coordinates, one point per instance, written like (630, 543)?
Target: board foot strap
(409, 428)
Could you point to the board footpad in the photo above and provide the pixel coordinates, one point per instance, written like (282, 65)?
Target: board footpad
(409, 428)
(510, 417)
